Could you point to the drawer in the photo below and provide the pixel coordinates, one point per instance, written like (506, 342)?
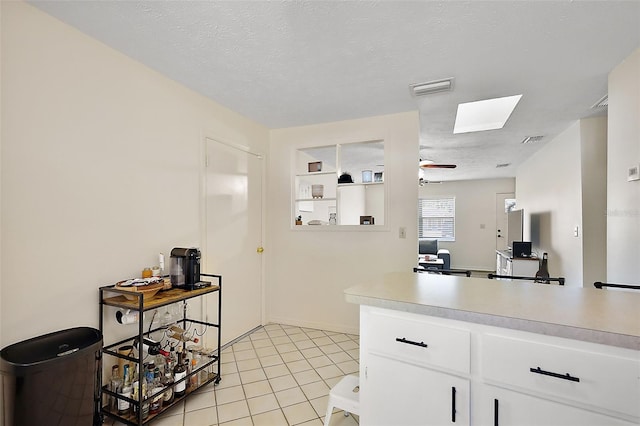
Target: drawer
(593, 378)
(408, 337)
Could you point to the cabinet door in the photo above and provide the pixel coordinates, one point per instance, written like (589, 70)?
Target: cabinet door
(397, 393)
(502, 407)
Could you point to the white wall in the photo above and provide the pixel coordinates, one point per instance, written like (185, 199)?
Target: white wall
(308, 269)
(548, 188)
(594, 199)
(557, 197)
(101, 170)
(475, 243)
(623, 198)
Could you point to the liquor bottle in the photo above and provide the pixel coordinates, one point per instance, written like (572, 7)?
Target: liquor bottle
(123, 405)
(543, 272)
(180, 372)
(194, 380)
(181, 334)
(140, 394)
(167, 382)
(156, 393)
(149, 346)
(115, 385)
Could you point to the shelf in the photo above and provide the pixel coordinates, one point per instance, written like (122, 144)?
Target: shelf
(359, 183)
(316, 174)
(315, 199)
(162, 298)
(132, 419)
(210, 361)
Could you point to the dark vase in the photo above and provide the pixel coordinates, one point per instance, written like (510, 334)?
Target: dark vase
(543, 272)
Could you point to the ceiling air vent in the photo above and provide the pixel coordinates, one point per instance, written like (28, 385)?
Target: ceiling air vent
(532, 139)
(602, 103)
(431, 87)
(499, 166)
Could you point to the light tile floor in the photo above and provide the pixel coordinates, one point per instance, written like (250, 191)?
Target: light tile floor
(277, 375)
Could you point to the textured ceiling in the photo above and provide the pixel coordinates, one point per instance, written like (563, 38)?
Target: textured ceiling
(291, 63)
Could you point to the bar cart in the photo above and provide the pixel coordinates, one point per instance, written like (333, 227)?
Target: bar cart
(208, 371)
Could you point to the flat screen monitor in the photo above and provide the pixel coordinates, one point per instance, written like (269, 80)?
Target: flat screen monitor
(514, 227)
(521, 249)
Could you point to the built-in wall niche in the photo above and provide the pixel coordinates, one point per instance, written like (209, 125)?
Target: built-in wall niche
(339, 185)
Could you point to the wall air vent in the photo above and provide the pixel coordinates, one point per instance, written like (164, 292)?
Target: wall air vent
(602, 103)
(532, 139)
(499, 166)
(431, 87)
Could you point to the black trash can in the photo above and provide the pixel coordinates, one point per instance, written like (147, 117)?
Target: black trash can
(53, 379)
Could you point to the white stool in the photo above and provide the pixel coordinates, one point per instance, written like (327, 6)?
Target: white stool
(345, 395)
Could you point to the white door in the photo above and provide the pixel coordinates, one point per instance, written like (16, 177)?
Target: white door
(397, 393)
(496, 406)
(233, 240)
(502, 201)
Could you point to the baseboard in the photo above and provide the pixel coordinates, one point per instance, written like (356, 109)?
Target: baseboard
(338, 328)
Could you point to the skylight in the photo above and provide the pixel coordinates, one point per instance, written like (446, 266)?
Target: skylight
(489, 114)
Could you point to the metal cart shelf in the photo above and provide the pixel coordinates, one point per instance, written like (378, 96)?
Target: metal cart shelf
(115, 297)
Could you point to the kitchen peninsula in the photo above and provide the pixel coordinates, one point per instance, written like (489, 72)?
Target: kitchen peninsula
(445, 349)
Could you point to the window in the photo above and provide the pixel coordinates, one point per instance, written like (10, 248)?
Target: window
(340, 184)
(437, 218)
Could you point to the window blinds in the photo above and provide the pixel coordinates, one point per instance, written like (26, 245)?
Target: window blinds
(436, 218)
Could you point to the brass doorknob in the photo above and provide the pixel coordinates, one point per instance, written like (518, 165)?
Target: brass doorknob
(260, 249)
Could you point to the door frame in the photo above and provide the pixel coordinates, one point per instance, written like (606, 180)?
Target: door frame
(203, 212)
(503, 196)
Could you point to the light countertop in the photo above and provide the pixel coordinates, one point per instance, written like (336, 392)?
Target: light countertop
(599, 316)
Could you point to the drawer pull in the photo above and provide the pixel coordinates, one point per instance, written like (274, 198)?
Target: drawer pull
(410, 342)
(552, 374)
(495, 412)
(453, 404)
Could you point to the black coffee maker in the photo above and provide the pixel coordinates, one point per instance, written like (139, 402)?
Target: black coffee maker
(185, 268)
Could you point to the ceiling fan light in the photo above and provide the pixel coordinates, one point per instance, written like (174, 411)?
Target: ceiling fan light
(430, 87)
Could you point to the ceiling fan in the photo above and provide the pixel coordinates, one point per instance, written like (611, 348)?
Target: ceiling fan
(428, 164)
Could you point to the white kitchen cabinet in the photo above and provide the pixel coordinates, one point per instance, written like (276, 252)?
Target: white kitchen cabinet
(412, 372)
(501, 407)
(519, 267)
(416, 369)
(399, 393)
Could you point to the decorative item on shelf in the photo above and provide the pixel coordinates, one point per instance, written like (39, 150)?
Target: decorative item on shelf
(317, 191)
(345, 178)
(315, 166)
(367, 220)
(299, 220)
(148, 287)
(167, 280)
(377, 176)
(332, 219)
(367, 176)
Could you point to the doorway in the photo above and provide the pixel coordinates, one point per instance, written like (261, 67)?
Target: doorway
(233, 231)
(504, 203)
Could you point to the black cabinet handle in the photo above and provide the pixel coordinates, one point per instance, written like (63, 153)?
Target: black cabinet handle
(411, 342)
(453, 404)
(566, 376)
(495, 412)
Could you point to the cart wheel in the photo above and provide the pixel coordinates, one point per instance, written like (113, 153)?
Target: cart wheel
(217, 381)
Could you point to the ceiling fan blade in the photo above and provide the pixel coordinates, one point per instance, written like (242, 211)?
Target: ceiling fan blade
(438, 166)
